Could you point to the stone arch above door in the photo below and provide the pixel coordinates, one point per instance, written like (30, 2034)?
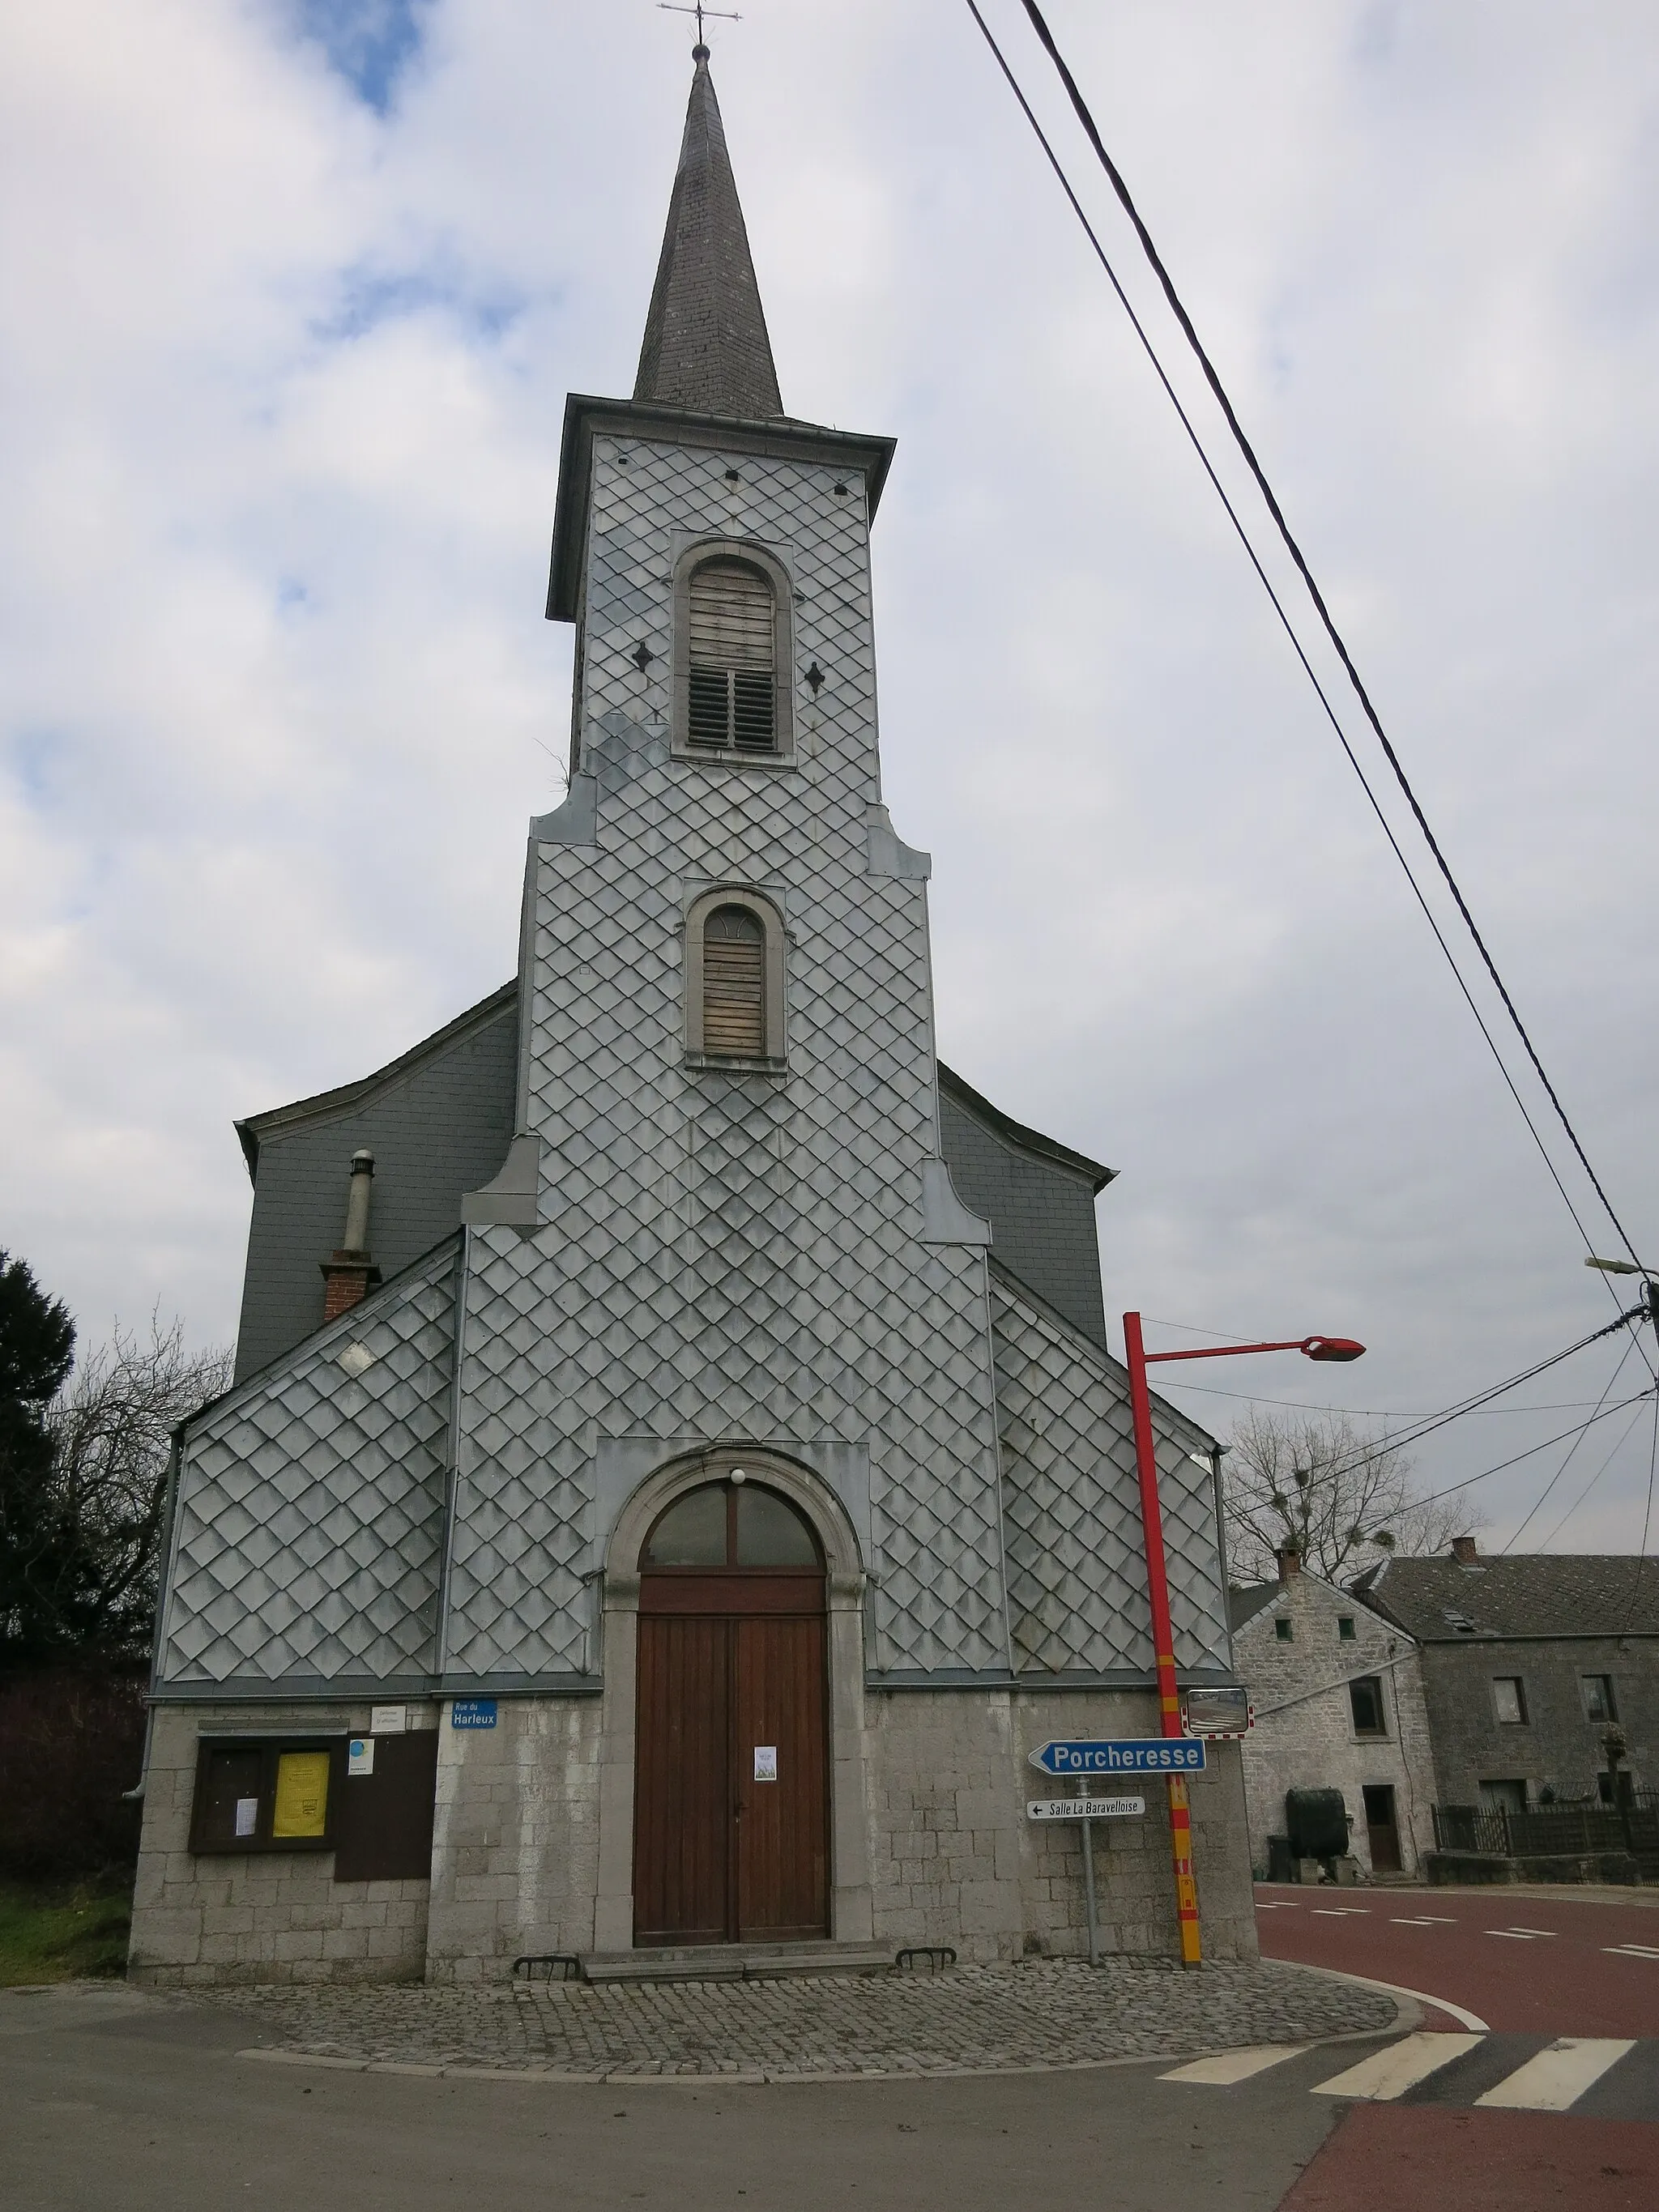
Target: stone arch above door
(852, 1903)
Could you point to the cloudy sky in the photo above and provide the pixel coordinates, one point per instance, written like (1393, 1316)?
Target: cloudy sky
(290, 295)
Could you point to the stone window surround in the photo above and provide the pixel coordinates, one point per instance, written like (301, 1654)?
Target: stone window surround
(766, 912)
(1521, 1716)
(852, 1906)
(1382, 1733)
(691, 555)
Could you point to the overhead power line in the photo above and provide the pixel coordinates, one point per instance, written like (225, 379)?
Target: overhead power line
(1258, 475)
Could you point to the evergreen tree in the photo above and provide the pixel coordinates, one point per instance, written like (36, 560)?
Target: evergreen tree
(37, 1350)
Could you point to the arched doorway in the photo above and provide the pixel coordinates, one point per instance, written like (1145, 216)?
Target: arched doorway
(732, 1795)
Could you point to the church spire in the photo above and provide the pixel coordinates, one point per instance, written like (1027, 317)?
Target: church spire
(706, 346)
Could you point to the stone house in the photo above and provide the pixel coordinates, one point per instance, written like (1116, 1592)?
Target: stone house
(670, 1512)
(1338, 1696)
(1540, 1672)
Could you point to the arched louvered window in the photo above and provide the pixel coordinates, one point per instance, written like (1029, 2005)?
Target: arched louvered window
(734, 984)
(732, 624)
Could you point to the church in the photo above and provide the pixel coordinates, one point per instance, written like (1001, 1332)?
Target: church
(675, 1476)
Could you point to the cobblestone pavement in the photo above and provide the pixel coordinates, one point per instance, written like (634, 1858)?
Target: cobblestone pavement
(970, 2019)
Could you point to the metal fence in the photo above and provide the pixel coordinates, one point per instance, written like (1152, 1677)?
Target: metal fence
(1552, 1831)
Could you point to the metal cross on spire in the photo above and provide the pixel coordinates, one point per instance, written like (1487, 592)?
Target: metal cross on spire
(724, 15)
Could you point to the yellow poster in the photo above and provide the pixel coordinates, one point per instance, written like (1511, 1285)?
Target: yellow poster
(301, 1793)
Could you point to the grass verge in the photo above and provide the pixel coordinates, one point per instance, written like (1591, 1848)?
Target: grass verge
(57, 1931)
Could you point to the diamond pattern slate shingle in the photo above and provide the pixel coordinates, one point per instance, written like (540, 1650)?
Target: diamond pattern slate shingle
(727, 1256)
(720, 1255)
(308, 1524)
(1077, 1584)
(706, 345)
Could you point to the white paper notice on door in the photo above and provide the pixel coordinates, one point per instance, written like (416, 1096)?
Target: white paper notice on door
(247, 1815)
(766, 1762)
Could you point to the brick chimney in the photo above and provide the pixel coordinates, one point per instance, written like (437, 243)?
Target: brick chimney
(1465, 1551)
(350, 1274)
(1290, 1562)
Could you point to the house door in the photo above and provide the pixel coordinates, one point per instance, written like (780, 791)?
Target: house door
(731, 1792)
(1382, 1829)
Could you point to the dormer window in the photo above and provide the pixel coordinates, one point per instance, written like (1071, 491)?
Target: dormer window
(732, 654)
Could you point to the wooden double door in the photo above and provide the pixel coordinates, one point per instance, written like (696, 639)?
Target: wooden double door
(732, 1795)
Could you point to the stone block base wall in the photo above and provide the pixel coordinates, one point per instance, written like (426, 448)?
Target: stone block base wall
(515, 1847)
(267, 1917)
(956, 1861)
(951, 1856)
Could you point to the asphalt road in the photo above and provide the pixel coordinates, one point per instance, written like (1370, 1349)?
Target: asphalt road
(1532, 1968)
(1564, 1963)
(108, 2100)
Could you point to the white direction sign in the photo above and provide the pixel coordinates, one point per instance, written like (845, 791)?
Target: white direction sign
(1083, 1808)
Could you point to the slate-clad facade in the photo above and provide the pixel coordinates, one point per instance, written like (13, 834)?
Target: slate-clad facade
(618, 1269)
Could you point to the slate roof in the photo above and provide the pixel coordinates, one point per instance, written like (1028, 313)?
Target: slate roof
(1537, 1595)
(706, 344)
(1244, 1604)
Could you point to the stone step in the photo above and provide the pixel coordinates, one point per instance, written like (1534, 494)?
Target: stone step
(735, 1962)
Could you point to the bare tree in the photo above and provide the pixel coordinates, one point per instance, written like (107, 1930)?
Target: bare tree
(83, 1546)
(1318, 1484)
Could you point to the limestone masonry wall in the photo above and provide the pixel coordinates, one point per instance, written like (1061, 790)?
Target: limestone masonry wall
(270, 1916)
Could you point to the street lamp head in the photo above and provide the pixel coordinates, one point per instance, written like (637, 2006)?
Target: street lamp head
(1331, 1347)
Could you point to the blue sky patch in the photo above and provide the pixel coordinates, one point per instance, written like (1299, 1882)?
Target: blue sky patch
(367, 42)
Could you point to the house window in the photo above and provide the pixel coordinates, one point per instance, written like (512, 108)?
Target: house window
(1365, 1698)
(1509, 1700)
(1596, 1691)
(1345, 1628)
(267, 1794)
(1284, 1631)
(732, 640)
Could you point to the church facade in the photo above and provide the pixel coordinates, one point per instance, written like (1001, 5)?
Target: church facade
(673, 1509)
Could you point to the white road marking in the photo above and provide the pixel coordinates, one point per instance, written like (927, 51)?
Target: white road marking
(1228, 2066)
(1630, 1951)
(1389, 2074)
(1521, 1934)
(1340, 1912)
(1425, 1920)
(1556, 2078)
(1277, 1905)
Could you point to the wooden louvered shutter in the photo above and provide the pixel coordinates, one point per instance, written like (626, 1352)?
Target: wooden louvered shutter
(733, 645)
(734, 984)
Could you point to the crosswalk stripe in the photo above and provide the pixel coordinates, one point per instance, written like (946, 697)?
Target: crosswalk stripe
(1228, 2066)
(1558, 2077)
(1389, 2074)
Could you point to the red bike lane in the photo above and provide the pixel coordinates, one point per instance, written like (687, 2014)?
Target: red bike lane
(1573, 1964)
(1567, 1964)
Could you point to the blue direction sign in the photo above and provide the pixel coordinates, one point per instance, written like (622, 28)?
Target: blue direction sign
(1133, 1754)
(471, 1712)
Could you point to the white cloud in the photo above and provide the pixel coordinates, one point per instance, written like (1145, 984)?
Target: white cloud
(282, 380)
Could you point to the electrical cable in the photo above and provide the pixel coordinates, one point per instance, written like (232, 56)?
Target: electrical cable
(1091, 130)
(1532, 1451)
(1474, 1403)
(1573, 1447)
(1593, 1479)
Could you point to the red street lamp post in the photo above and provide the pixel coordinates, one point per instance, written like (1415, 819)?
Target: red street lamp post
(1157, 1582)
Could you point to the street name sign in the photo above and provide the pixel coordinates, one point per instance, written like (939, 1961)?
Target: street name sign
(1151, 1754)
(1084, 1808)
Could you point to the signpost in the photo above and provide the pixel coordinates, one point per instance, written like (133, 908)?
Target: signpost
(1129, 1754)
(1084, 1808)
(1107, 1755)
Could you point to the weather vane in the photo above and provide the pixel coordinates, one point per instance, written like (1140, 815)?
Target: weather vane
(724, 15)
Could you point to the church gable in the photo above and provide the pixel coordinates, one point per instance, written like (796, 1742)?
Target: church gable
(438, 1121)
(1076, 1584)
(307, 1520)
